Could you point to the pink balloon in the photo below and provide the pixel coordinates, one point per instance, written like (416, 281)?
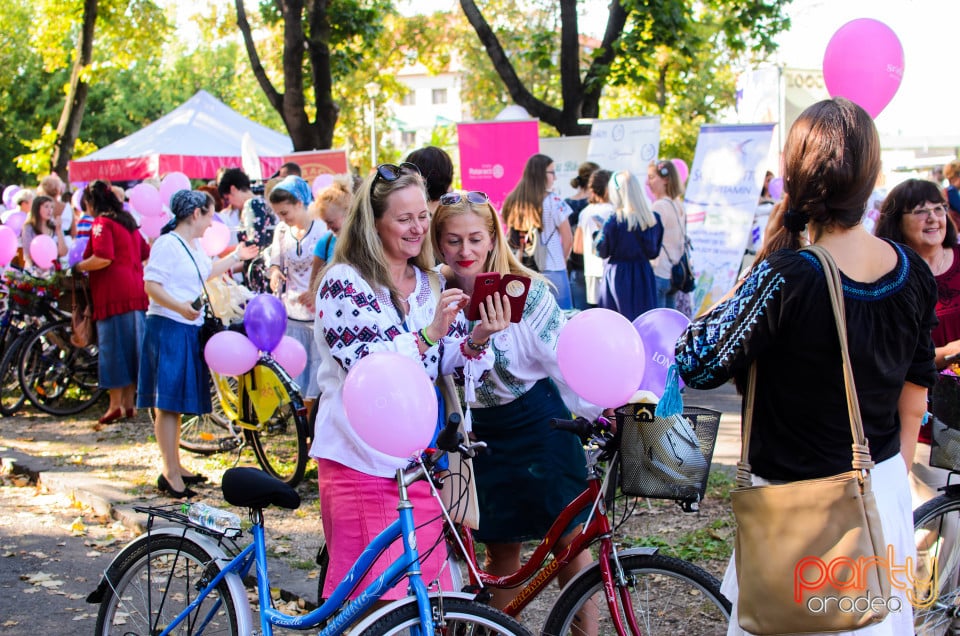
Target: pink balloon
(864, 63)
(230, 353)
(171, 183)
(215, 239)
(390, 403)
(43, 251)
(320, 182)
(151, 225)
(291, 355)
(8, 245)
(601, 357)
(775, 188)
(145, 199)
(682, 169)
(75, 199)
(8, 193)
(15, 222)
(659, 330)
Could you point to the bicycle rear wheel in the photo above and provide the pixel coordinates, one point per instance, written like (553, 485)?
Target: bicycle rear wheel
(212, 432)
(56, 376)
(12, 397)
(935, 526)
(451, 616)
(274, 410)
(669, 596)
(156, 582)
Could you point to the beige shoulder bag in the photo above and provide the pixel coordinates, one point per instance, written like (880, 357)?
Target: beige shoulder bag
(796, 541)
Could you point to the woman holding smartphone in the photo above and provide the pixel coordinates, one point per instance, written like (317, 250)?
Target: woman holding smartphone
(532, 470)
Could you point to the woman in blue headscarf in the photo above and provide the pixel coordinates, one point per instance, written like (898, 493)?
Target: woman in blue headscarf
(291, 262)
(173, 377)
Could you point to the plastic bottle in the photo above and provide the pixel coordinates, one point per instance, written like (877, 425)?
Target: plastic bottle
(213, 518)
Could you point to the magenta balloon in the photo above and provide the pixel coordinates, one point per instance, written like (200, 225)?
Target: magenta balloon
(864, 63)
(230, 353)
(659, 330)
(291, 355)
(75, 255)
(682, 169)
(15, 222)
(8, 193)
(601, 357)
(151, 225)
(390, 403)
(215, 239)
(775, 188)
(320, 182)
(43, 251)
(145, 199)
(8, 245)
(265, 321)
(171, 183)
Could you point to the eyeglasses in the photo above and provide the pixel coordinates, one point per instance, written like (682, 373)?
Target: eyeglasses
(390, 173)
(453, 198)
(553, 172)
(939, 211)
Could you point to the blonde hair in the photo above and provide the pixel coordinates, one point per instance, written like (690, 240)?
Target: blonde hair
(501, 258)
(628, 201)
(338, 194)
(359, 245)
(952, 169)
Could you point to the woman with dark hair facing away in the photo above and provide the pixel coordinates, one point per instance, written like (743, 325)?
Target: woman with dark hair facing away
(532, 206)
(664, 182)
(436, 167)
(173, 377)
(780, 317)
(579, 201)
(42, 220)
(380, 295)
(114, 256)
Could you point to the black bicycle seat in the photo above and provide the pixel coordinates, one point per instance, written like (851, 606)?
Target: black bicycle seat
(252, 488)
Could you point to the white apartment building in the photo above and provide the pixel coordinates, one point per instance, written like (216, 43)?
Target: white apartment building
(433, 100)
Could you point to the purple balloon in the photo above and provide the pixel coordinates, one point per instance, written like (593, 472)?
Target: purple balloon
(265, 321)
(15, 222)
(75, 255)
(8, 193)
(775, 188)
(659, 330)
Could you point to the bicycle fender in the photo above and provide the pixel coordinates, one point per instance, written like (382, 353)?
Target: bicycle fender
(245, 622)
(643, 550)
(407, 600)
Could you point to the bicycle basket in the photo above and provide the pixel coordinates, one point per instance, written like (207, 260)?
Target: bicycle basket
(31, 295)
(945, 423)
(666, 457)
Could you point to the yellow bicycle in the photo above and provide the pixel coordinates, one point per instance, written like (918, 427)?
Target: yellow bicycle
(262, 408)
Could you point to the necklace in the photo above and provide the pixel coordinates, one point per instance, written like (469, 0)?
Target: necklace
(940, 264)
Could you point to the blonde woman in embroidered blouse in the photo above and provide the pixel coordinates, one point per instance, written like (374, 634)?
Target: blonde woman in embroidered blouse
(377, 295)
(664, 182)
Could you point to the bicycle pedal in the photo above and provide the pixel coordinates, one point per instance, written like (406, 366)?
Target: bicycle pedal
(229, 444)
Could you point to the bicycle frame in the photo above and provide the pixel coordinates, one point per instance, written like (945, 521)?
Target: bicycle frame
(537, 576)
(408, 565)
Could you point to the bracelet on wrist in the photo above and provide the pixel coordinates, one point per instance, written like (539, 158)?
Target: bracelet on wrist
(476, 347)
(469, 352)
(426, 338)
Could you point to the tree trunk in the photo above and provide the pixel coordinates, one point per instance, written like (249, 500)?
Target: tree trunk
(68, 129)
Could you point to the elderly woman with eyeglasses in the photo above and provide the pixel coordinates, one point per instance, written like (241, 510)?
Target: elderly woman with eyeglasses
(379, 294)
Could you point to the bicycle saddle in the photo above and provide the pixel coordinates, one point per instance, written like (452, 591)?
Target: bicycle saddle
(253, 488)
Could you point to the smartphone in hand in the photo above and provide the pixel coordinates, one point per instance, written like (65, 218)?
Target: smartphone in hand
(514, 287)
(484, 286)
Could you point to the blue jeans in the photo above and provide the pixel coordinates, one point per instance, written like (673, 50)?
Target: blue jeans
(560, 288)
(578, 289)
(665, 297)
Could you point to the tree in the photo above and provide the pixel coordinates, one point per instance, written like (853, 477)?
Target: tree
(323, 40)
(644, 41)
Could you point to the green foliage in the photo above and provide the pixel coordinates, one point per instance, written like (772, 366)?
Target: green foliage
(37, 161)
(715, 542)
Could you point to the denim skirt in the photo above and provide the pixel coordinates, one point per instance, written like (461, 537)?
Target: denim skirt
(119, 340)
(173, 375)
(530, 471)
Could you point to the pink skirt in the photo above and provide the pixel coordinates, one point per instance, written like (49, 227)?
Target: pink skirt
(355, 507)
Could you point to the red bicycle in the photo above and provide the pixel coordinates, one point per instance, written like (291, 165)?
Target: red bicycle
(643, 592)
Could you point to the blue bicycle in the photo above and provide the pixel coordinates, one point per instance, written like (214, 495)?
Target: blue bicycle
(186, 579)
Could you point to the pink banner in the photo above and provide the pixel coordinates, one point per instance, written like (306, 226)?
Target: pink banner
(493, 153)
(137, 168)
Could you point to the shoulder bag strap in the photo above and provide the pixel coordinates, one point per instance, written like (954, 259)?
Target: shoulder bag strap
(203, 285)
(861, 449)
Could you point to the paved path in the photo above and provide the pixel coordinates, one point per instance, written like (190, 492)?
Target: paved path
(725, 400)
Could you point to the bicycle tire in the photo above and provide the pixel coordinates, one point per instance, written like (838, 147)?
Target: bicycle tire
(156, 582)
(936, 518)
(57, 377)
(279, 442)
(670, 596)
(211, 432)
(12, 397)
(457, 615)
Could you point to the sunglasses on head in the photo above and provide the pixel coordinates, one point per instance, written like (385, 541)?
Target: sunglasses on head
(390, 172)
(453, 198)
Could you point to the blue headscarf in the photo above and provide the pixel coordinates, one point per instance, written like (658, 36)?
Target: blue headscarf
(182, 205)
(297, 187)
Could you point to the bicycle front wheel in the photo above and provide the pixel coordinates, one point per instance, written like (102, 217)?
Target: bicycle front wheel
(669, 596)
(212, 432)
(56, 376)
(451, 616)
(935, 529)
(159, 580)
(277, 422)
(11, 393)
